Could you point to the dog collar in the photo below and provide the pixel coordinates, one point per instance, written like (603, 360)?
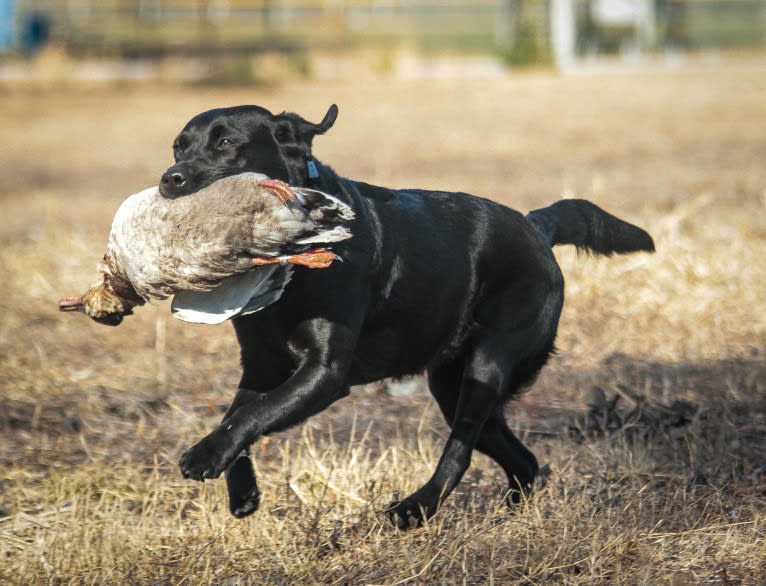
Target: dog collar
(312, 169)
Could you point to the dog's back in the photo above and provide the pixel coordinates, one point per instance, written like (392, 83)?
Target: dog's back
(436, 258)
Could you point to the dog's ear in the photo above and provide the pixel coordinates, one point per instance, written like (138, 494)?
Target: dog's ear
(295, 135)
(305, 131)
(328, 120)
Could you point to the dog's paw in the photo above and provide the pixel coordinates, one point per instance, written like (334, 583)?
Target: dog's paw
(408, 513)
(247, 503)
(244, 496)
(208, 458)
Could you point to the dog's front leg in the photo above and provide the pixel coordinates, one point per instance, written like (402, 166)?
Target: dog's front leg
(244, 495)
(242, 486)
(309, 391)
(317, 383)
(241, 483)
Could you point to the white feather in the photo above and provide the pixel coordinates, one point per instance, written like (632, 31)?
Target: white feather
(237, 295)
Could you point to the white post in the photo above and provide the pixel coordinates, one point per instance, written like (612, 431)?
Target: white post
(649, 27)
(563, 33)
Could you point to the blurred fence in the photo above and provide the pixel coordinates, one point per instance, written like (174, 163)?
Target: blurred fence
(189, 26)
(523, 30)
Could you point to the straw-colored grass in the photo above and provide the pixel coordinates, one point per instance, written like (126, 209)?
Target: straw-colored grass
(93, 419)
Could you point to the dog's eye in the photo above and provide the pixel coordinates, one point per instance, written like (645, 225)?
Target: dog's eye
(224, 143)
(178, 147)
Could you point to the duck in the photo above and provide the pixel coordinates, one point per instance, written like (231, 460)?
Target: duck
(226, 250)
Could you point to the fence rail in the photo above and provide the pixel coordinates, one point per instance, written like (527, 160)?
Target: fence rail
(518, 27)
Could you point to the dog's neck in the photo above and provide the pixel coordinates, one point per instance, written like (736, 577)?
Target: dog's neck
(314, 170)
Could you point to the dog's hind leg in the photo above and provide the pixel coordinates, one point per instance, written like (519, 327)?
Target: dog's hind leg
(520, 465)
(471, 392)
(478, 396)
(496, 440)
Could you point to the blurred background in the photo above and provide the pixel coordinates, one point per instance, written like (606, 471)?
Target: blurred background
(226, 34)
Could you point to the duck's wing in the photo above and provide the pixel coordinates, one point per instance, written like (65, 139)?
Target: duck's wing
(270, 292)
(240, 294)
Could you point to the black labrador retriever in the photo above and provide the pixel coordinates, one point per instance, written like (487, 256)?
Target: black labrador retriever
(458, 286)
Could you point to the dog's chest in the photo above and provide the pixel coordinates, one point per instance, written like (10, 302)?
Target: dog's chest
(399, 351)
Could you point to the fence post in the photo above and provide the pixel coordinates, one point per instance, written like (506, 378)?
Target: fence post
(563, 33)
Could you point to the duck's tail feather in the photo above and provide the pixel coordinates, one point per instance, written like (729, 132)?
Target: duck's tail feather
(329, 215)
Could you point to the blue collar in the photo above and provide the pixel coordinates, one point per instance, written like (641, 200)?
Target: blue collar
(312, 169)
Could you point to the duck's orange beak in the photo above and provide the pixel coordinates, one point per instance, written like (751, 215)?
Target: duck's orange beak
(71, 304)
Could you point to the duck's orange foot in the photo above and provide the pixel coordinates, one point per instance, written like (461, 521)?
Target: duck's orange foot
(317, 258)
(280, 189)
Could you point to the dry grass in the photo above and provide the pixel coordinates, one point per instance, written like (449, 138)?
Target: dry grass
(93, 419)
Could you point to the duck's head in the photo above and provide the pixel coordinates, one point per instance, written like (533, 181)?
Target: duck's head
(107, 301)
(100, 303)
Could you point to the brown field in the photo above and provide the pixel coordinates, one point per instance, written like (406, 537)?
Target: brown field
(93, 419)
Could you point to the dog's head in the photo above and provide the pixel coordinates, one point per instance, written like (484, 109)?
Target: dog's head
(229, 141)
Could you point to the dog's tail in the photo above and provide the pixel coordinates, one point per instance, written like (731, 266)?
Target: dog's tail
(588, 227)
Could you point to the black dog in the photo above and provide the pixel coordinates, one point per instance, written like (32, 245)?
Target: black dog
(461, 287)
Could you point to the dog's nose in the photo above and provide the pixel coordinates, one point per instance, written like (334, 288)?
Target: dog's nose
(177, 179)
(172, 182)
